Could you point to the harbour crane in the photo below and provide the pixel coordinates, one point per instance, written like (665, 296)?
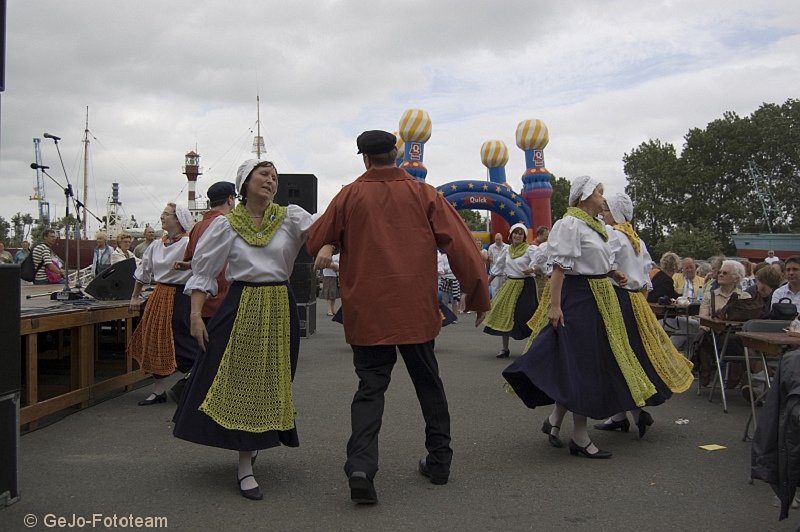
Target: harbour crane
(38, 194)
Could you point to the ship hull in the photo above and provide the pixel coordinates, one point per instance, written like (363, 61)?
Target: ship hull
(754, 246)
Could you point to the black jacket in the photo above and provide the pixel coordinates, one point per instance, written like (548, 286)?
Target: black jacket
(662, 286)
(775, 456)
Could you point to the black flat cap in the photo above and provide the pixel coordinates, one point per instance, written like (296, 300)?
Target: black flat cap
(375, 142)
(221, 190)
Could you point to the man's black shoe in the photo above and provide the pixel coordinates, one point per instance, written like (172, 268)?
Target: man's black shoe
(438, 480)
(362, 489)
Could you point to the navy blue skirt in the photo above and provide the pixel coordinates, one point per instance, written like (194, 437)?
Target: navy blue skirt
(524, 309)
(572, 365)
(193, 425)
(634, 338)
(186, 349)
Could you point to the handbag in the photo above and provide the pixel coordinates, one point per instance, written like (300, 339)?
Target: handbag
(783, 311)
(54, 277)
(738, 309)
(27, 271)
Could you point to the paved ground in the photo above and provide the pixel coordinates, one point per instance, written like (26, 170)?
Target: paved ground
(118, 458)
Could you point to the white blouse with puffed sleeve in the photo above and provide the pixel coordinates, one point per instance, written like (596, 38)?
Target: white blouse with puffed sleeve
(578, 249)
(254, 264)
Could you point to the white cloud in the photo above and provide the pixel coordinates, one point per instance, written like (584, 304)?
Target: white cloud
(161, 78)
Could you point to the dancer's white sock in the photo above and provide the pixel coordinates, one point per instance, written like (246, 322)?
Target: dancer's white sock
(246, 468)
(580, 435)
(556, 417)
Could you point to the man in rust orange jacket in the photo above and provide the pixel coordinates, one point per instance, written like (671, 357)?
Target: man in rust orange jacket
(388, 226)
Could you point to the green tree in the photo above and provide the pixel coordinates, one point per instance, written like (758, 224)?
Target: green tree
(559, 201)
(688, 242)
(5, 227)
(22, 224)
(711, 186)
(473, 219)
(654, 171)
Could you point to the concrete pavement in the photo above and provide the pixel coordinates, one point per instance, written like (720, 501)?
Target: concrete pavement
(116, 458)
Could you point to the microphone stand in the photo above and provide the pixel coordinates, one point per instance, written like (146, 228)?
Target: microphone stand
(67, 294)
(78, 207)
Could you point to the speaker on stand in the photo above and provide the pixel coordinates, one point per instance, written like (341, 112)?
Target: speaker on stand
(115, 283)
(301, 190)
(10, 383)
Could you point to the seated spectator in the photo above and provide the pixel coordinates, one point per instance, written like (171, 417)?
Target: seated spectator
(48, 265)
(730, 275)
(22, 254)
(703, 268)
(749, 276)
(791, 289)
(711, 277)
(780, 266)
(661, 278)
(5, 256)
(695, 283)
(767, 282)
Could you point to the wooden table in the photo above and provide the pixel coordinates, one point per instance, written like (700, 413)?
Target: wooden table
(769, 343)
(772, 344)
(725, 327)
(82, 319)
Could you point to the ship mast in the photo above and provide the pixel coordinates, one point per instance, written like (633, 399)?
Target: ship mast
(258, 142)
(85, 168)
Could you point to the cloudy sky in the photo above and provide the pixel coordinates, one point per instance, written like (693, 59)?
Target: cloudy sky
(161, 78)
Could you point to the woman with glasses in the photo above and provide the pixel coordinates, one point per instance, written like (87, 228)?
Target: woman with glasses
(730, 274)
(162, 341)
(239, 395)
(123, 249)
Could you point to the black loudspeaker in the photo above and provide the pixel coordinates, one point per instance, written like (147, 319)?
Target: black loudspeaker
(10, 350)
(297, 189)
(115, 283)
(2, 45)
(10, 383)
(304, 282)
(308, 318)
(300, 190)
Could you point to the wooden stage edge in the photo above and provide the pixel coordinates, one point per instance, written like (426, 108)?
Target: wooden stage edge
(40, 314)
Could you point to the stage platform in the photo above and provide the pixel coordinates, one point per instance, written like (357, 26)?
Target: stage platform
(72, 351)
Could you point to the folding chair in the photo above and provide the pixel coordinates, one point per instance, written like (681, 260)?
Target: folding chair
(758, 326)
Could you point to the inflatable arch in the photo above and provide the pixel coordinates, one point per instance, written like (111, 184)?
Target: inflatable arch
(482, 195)
(531, 206)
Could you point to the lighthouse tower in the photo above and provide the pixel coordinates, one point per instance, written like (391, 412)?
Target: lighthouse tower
(192, 171)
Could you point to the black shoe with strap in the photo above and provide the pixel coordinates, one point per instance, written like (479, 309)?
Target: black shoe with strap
(555, 441)
(577, 450)
(624, 425)
(157, 398)
(254, 494)
(504, 353)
